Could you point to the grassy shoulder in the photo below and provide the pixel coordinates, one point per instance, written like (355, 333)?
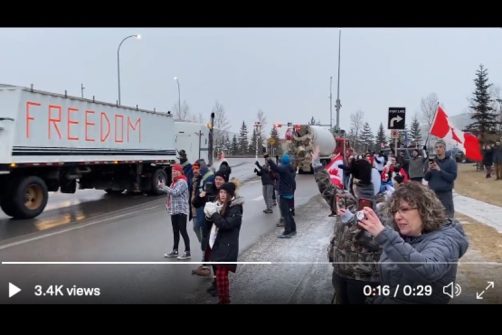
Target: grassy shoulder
(481, 264)
(473, 184)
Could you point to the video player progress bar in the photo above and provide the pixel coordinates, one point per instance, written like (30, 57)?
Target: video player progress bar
(216, 263)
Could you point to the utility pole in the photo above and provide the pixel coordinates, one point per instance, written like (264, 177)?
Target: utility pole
(338, 104)
(257, 127)
(331, 103)
(210, 144)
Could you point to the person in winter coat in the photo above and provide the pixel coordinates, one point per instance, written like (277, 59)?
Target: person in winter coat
(225, 170)
(417, 165)
(352, 252)
(287, 186)
(441, 176)
(267, 182)
(177, 205)
(226, 215)
(497, 159)
(421, 251)
(206, 193)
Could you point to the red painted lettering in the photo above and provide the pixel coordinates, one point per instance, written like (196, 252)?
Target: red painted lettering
(55, 121)
(28, 116)
(101, 128)
(121, 139)
(69, 123)
(87, 123)
(134, 127)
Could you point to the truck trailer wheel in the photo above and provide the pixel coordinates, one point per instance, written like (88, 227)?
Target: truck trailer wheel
(30, 197)
(158, 175)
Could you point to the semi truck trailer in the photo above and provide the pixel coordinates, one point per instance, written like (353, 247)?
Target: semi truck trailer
(54, 142)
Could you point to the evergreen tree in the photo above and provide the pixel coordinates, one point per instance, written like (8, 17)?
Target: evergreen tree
(243, 140)
(380, 138)
(252, 143)
(404, 137)
(312, 121)
(227, 145)
(235, 146)
(274, 142)
(483, 115)
(415, 134)
(367, 137)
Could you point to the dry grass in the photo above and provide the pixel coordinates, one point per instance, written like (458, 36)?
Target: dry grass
(473, 184)
(485, 245)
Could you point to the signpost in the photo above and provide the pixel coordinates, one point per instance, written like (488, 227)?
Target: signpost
(397, 121)
(397, 118)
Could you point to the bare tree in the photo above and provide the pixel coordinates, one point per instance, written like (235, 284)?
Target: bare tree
(182, 115)
(356, 125)
(356, 122)
(428, 106)
(221, 123)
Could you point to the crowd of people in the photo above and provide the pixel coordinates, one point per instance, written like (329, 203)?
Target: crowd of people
(401, 234)
(394, 220)
(210, 200)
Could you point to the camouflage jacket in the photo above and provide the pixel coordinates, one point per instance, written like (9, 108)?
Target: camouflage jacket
(352, 251)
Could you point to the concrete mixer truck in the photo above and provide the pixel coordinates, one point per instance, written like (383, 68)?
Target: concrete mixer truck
(303, 139)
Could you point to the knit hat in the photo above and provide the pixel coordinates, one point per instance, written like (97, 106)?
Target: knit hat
(285, 159)
(229, 188)
(220, 174)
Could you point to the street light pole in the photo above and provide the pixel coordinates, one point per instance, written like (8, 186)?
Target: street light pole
(331, 103)
(338, 105)
(211, 140)
(118, 59)
(179, 95)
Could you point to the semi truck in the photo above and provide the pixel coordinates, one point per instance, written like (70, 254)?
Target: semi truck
(194, 139)
(53, 142)
(303, 139)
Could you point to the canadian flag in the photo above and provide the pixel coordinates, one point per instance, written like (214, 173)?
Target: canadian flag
(335, 173)
(467, 142)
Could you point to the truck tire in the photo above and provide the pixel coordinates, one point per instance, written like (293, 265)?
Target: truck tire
(158, 175)
(30, 197)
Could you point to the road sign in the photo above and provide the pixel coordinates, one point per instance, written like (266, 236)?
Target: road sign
(394, 133)
(397, 118)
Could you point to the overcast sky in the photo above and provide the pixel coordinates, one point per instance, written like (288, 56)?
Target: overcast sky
(283, 71)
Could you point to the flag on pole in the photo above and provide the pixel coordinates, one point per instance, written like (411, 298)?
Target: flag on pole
(467, 142)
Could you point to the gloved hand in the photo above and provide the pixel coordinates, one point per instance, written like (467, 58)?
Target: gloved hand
(209, 209)
(255, 171)
(257, 163)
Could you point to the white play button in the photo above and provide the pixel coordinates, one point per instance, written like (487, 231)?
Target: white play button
(13, 290)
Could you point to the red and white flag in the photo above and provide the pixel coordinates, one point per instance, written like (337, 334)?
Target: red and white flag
(335, 173)
(467, 142)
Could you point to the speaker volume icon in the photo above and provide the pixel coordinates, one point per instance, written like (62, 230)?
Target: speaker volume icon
(452, 290)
